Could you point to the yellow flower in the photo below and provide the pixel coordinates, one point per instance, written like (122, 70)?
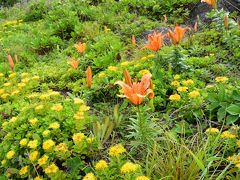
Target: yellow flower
(101, 75)
(129, 167)
(54, 125)
(33, 95)
(54, 93)
(35, 78)
(57, 107)
(2, 91)
(78, 101)
(84, 108)
(3, 162)
(144, 58)
(44, 97)
(125, 63)
(89, 176)
(43, 160)
(100, 165)
(4, 124)
(238, 143)
(175, 97)
(182, 89)
(175, 83)
(142, 178)
(15, 92)
(177, 77)
(23, 142)
(23, 170)
(10, 154)
(48, 144)
(51, 169)
(21, 85)
(12, 75)
(238, 165)
(33, 121)
(1, 74)
(13, 120)
(5, 96)
(187, 82)
(151, 56)
(33, 144)
(143, 72)
(37, 178)
(79, 115)
(212, 130)
(221, 79)
(78, 137)
(33, 155)
(25, 80)
(194, 94)
(23, 75)
(38, 108)
(116, 150)
(90, 139)
(61, 147)
(7, 84)
(228, 135)
(46, 133)
(112, 68)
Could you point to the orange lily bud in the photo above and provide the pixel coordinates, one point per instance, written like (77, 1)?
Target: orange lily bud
(133, 41)
(10, 62)
(80, 47)
(127, 78)
(226, 22)
(212, 3)
(89, 76)
(74, 63)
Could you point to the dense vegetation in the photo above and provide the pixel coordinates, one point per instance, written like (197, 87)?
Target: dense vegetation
(89, 90)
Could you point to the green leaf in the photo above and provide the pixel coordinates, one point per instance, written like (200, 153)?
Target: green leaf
(221, 114)
(236, 95)
(74, 164)
(231, 119)
(233, 109)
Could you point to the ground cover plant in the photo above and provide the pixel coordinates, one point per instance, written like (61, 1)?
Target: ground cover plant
(104, 89)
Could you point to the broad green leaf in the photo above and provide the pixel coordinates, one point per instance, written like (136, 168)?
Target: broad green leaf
(231, 119)
(233, 109)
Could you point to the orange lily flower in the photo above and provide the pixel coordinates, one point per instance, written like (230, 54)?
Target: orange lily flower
(212, 3)
(133, 41)
(80, 47)
(74, 63)
(10, 62)
(177, 35)
(89, 76)
(155, 41)
(137, 91)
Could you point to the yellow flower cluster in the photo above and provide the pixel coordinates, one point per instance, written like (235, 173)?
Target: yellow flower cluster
(89, 176)
(57, 107)
(33, 121)
(43, 160)
(228, 135)
(46, 133)
(175, 83)
(51, 169)
(62, 147)
(33, 144)
(187, 82)
(33, 156)
(54, 125)
(182, 89)
(212, 130)
(235, 159)
(80, 114)
(112, 68)
(221, 79)
(194, 94)
(101, 75)
(100, 165)
(129, 167)
(175, 97)
(10, 154)
(78, 137)
(142, 178)
(23, 170)
(143, 72)
(78, 101)
(116, 150)
(48, 144)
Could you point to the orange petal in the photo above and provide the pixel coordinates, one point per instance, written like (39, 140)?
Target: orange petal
(89, 76)
(127, 77)
(10, 62)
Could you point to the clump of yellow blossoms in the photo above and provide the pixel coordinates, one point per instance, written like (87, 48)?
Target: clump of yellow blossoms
(38, 108)
(101, 75)
(89, 176)
(142, 178)
(46, 133)
(54, 125)
(187, 82)
(238, 143)
(23, 170)
(175, 83)
(194, 94)
(80, 114)
(78, 137)
(100, 165)
(116, 150)
(51, 169)
(221, 79)
(33, 155)
(175, 97)
(33, 121)
(57, 107)
(33, 144)
(177, 77)
(10, 154)
(129, 167)
(37, 178)
(228, 135)
(13, 120)
(112, 68)
(212, 130)
(62, 147)
(48, 144)
(43, 160)
(78, 101)
(143, 72)
(182, 89)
